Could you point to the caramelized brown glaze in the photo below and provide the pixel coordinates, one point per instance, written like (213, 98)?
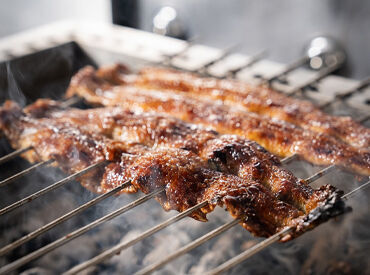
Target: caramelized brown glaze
(279, 137)
(186, 178)
(258, 99)
(225, 153)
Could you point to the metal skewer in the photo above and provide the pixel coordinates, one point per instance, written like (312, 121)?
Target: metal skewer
(49, 188)
(289, 68)
(149, 269)
(226, 52)
(25, 172)
(258, 247)
(119, 247)
(61, 219)
(14, 154)
(214, 233)
(251, 61)
(360, 86)
(69, 237)
(320, 75)
(169, 57)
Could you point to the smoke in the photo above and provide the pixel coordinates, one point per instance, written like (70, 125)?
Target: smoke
(14, 92)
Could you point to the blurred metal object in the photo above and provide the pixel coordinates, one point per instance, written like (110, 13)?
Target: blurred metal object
(167, 22)
(324, 51)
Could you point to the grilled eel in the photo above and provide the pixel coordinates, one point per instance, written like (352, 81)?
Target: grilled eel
(186, 178)
(279, 137)
(258, 99)
(230, 154)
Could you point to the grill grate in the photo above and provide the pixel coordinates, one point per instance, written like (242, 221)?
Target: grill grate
(167, 61)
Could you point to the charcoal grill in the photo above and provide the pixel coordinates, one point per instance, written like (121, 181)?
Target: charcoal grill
(39, 63)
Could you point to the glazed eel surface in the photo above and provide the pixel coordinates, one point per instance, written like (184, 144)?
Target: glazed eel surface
(278, 137)
(257, 99)
(189, 175)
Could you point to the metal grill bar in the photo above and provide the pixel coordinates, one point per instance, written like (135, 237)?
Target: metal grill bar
(289, 68)
(169, 57)
(319, 174)
(61, 219)
(14, 154)
(117, 248)
(258, 247)
(149, 269)
(49, 188)
(252, 60)
(25, 172)
(226, 52)
(69, 237)
(320, 75)
(249, 252)
(286, 160)
(200, 241)
(344, 95)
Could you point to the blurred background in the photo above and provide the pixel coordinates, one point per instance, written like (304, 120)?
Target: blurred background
(284, 27)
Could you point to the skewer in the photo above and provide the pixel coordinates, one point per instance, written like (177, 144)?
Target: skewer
(212, 234)
(116, 249)
(291, 67)
(61, 219)
(151, 268)
(49, 188)
(251, 61)
(14, 154)
(119, 247)
(226, 52)
(69, 237)
(189, 43)
(320, 75)
(319, 174)
(258, 247)
(288, 159)
(25, 172)
(341, 96)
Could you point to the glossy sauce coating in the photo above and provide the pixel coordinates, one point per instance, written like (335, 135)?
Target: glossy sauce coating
(279, 137)
(225, 153)
(257, 99)
(187, 178)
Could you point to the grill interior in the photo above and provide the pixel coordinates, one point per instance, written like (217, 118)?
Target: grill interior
(340, 244)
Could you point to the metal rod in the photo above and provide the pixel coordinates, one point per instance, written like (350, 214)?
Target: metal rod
(226, 52)
(189, 43)
(251, 61)
(291, 67)
(119, 247)
(258, 247)
(14, 154)
(249, 252)
(320, 75)
(354, 191)
(149, 269)
(288, 159)
(69, 237)
(25, 172)
(48, 188)
(61, 219)
(319, 174)
(208, 236)
(341, 96)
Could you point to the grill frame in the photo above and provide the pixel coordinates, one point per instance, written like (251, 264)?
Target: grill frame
(169, 57)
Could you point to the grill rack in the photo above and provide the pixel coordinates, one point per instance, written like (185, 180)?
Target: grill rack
(167, 60)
